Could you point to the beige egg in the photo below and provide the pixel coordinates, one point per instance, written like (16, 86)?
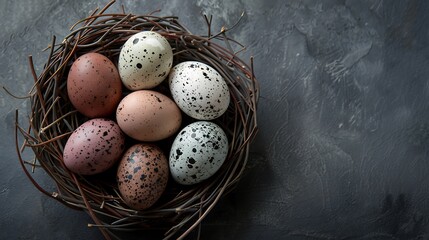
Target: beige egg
(148, 115)
(142, 175)
(145, 60)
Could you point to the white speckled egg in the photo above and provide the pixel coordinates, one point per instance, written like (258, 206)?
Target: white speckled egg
(94, 147)
(199, 90)
(198, 152)
(145, 60)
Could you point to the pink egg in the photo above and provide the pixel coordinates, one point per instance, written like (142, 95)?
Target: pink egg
(94, 147)
(94, 86)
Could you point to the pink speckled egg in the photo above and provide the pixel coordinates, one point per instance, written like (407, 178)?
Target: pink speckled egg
(147, 115)
(142, 175)
(94, 147)
(94, 86)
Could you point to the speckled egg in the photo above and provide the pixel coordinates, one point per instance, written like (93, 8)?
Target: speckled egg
(198, 152)
(142, 175)
(94, 147)
(145, 60)
(147, 115)
(93, 85)
(199, 90)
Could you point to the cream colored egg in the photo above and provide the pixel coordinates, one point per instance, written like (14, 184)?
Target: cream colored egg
(145, 60)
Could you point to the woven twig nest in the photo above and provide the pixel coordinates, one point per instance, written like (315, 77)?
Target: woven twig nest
(53, 118)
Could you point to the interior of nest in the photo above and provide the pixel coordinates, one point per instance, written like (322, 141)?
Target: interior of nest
(52, 119)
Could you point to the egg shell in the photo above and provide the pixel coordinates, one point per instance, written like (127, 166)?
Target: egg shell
(94, 86)
(94, 147)
(142, 175)
(147, 115)
(198, 152)
(199, 90)
(145, 60)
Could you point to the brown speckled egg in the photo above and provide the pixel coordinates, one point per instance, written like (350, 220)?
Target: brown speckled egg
(94, 147)
(142, 175)
(147, 115)
(94, 86)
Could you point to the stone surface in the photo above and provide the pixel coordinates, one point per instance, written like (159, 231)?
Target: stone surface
(343, 146)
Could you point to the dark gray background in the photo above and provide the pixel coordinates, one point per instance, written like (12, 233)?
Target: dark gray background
(343, 146)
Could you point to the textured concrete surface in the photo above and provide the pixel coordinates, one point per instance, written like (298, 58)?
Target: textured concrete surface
(343, 147)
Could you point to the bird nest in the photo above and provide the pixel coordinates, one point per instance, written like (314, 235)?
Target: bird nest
(52, 120)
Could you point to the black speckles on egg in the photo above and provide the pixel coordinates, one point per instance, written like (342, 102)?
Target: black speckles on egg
(199, 90)
(142, 178)
(154, 58)
(191, 160)
(136, 169)
(149, 175)
(198, 152)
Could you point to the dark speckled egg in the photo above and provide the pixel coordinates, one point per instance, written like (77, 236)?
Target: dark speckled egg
(142, 175)
(198, 152)
(94, 147)
(94, 86)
